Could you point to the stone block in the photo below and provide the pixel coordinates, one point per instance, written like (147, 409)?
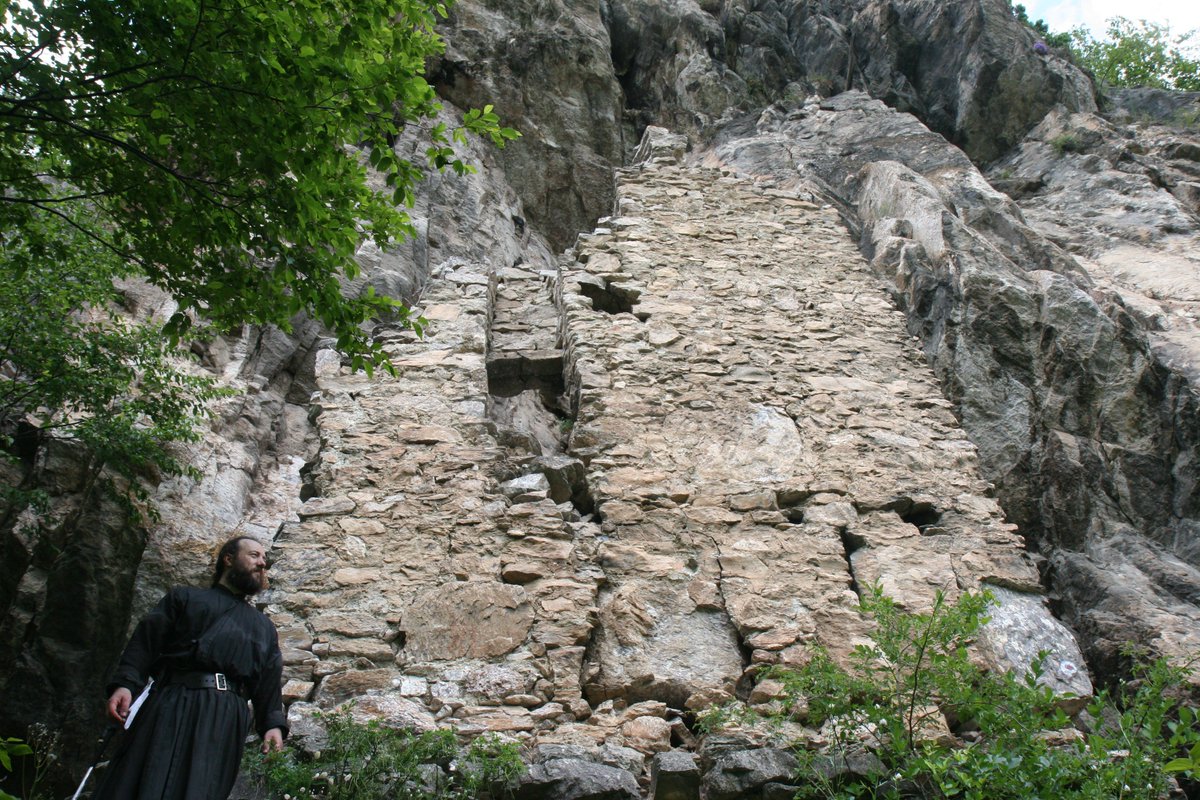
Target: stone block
(741, 773)
(674, 775)
(575, 779)
(476, 619)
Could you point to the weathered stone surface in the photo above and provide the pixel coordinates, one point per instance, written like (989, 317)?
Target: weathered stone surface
(967, 69)
(747, 432)
(1018, 630)
(674, 775)
(475, 619)
(1022, 338)
(341, 686)
(547, 69)
(741, 773)
(574, 779)
(647, 734)
(808, 452)
(393, 711)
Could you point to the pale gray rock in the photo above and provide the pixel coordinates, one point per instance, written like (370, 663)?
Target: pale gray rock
(525, 485)
(674, 775)
(751, 426)
(742, 773)
(566, 476)
(1069, 399)
(1019, 631)
(548, 71)
(466, 620)
(575, 779)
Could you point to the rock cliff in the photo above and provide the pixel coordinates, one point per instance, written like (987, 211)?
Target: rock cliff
(895, 304)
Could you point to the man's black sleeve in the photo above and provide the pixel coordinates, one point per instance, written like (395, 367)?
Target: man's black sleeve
(268, 696)
(145, 645)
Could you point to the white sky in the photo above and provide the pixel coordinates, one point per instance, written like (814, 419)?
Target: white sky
(1062, 15)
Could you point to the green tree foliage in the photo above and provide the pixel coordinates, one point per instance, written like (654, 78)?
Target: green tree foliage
(24, 763)
(1060, 40)
(73, 368)
(1139, 54)
(211, 139)
(217, 148)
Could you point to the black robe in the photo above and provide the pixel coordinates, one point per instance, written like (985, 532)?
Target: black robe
(186, 744)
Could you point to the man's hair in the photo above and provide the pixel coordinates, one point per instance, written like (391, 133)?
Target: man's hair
(230, 548)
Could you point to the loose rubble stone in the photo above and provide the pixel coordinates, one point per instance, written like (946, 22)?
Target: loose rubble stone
(674, 775)
(742, 772)
(754, 435)
(574, 779)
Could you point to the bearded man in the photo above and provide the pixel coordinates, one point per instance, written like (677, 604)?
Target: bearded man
(209, 651)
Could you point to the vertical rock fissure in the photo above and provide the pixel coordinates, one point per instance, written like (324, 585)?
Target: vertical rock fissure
(850, 545)
(742, 688)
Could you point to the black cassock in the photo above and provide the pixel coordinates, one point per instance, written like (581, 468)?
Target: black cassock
(186, 743)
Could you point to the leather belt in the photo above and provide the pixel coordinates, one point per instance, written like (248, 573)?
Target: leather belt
(205, 680)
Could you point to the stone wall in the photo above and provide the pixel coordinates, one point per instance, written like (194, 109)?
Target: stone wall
(1076, 391)
(754, 438)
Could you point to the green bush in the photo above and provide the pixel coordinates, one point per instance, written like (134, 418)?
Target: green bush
(371, 762)
(1013, 738)
(1066, 143)
(1059, 40)
(25, 762)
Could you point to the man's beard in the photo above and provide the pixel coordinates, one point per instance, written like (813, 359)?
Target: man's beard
(247, 581)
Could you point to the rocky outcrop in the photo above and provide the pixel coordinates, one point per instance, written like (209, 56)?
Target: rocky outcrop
(757, 436)
(547, 69)
(967, 69)
(605, 490)
(86, 568)
(1087, 431)
(581, 81)
(71, 587)
(1123, 196)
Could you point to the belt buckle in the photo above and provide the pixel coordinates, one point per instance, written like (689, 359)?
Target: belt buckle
(222, 684)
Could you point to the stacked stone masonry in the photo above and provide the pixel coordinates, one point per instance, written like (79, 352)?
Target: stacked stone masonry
(760, 441)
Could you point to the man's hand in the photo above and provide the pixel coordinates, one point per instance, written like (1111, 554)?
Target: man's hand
(272, 741)
(119, 703)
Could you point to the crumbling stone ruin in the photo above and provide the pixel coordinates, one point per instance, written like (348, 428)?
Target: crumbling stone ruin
(771, 304)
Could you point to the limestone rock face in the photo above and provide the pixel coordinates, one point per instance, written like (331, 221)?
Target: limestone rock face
(1083, 414)
(581, 82)
(475, 619)
(753, 435)
(68, 606)
(1120, 194)
(547, 69)
(967, 69)
(808, 350)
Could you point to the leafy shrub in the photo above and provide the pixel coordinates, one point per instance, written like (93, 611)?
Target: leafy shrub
(1014, 740)
(1066, 143)
(371, 762)
(25, 763)
(1059, 40)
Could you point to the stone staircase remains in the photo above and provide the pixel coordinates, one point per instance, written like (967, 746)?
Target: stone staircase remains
(596, 500)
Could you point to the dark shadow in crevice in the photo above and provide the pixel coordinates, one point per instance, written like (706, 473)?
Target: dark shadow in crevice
(612, 298)
(923, 515)
(308, 482)
(509, 374)
(852, 543)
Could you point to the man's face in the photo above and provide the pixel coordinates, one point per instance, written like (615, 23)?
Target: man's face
(248, 570)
